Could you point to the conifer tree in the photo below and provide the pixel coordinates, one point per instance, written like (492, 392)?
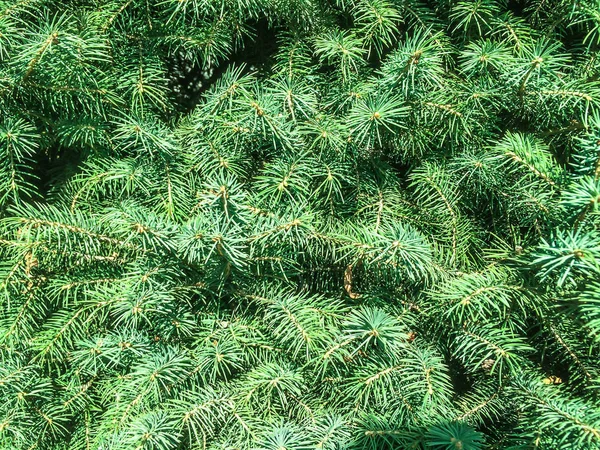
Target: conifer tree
(299, 224)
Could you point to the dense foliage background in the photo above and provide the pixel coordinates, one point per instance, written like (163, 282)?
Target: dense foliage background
(299, 224)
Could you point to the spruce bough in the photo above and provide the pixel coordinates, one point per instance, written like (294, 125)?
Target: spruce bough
(299, 224)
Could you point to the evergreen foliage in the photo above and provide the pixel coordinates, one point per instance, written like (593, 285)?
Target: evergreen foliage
(299, 224)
